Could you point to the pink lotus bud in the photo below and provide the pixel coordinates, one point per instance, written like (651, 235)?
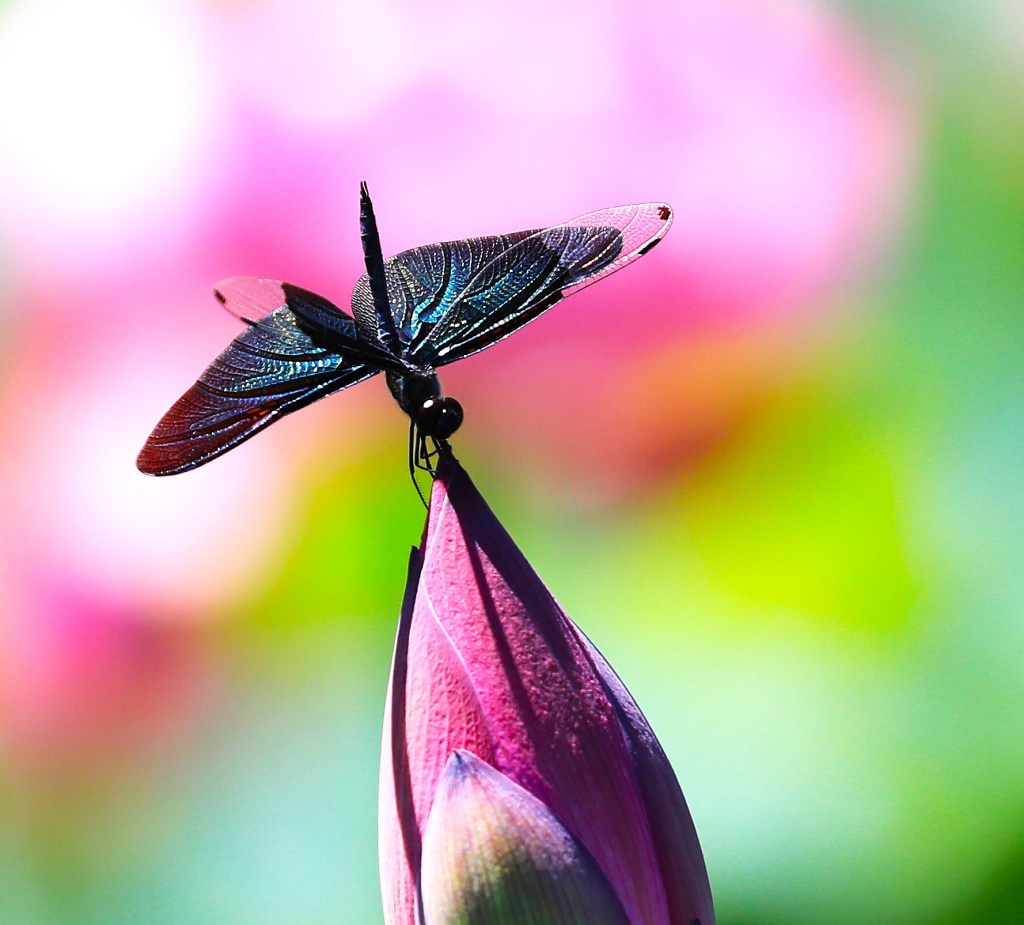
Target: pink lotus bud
(517, 773)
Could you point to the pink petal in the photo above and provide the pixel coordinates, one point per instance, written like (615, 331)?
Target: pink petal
(554, 729)
(682, 862)
(430, 705)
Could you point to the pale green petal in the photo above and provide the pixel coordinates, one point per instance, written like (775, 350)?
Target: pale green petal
(493, 854)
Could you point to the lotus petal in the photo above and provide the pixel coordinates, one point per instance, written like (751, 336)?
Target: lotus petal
(493, 854)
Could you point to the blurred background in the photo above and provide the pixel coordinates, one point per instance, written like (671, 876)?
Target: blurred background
(774, 469)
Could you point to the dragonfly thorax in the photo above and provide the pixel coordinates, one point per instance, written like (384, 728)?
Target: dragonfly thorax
(419, 396)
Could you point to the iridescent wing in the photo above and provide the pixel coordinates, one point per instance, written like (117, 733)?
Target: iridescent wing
(452, 299)
(252, 299)
(539, 271)
(271, 369)
(424, 282)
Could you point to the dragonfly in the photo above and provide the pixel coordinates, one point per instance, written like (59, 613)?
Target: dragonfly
(411, 314)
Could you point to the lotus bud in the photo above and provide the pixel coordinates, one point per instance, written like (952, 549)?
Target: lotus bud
(519, 781)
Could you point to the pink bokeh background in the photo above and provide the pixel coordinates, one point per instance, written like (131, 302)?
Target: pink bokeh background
(153, 149)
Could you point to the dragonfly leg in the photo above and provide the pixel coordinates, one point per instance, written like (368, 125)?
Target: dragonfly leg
(415, 442)
(428, 456)
(424, 450)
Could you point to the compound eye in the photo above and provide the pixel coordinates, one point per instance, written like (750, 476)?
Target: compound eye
(439, 417)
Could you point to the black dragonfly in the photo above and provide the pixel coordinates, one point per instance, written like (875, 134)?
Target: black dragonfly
(412, 313)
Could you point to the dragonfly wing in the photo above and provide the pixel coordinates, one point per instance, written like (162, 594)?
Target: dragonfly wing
(535, 272)
(423, 282)
(250, 298)
(271, 369)
(641, 227)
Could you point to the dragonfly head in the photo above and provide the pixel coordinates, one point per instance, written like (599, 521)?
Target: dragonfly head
(439, 417)
(419, 396)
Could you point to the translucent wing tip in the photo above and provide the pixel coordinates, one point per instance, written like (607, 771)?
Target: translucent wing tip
(655, 217)
(661, 216)
(248, 297)
(642, 226)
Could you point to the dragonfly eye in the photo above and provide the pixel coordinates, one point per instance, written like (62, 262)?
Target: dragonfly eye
(439, 417)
